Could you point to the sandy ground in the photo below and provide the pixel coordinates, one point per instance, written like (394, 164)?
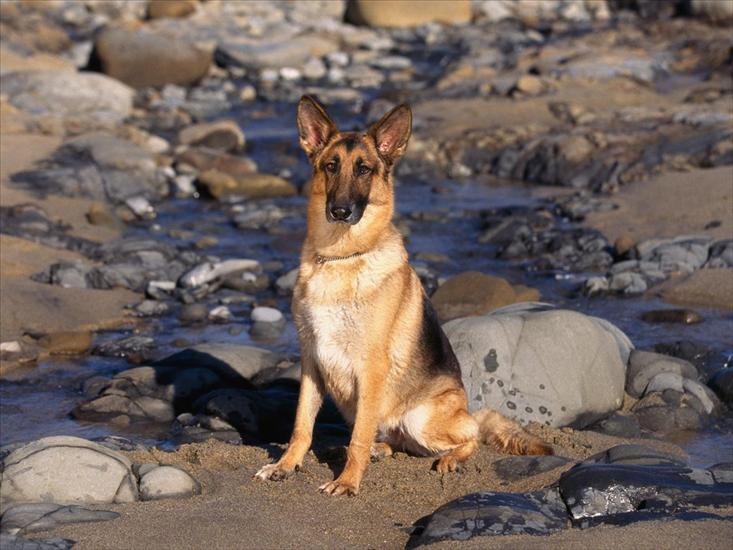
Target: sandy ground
(699, 202)
(234, 511)
(29, 306)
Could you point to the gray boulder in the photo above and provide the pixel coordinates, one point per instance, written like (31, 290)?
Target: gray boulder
(556, 367)
(65, 469)
(87, 99)
(646, 367)
(167, 482)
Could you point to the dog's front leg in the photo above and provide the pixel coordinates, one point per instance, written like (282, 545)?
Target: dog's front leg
(371, 385)
(309, 402)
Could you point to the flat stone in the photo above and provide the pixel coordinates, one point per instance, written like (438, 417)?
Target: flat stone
(514, 468)
(222, 135)
(28, 518)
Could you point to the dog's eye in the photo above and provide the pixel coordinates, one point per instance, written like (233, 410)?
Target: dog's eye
(331, 166)
(363, 170)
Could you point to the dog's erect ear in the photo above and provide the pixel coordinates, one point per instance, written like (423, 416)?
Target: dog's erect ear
(392, 133)
(314, 125)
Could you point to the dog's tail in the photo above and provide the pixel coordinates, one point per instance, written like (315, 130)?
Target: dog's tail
(506, 435)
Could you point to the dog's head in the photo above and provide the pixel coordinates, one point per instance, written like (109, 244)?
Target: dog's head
(352, 169)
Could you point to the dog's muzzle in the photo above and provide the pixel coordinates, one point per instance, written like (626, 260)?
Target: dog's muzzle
(344, 213)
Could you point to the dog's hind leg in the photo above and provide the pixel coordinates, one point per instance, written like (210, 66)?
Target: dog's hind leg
(506, 435)
(449, 430)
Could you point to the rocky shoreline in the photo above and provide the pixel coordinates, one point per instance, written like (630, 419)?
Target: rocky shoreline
(153, 204)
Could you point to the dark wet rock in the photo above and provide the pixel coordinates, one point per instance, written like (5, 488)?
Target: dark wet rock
(167, 482)
(125, 53)
(618, 425)
(489, 514)
(700, 355)
(14, 542)
(683, 316)
(721, 254)
(267, 415)
(591, 490)
(30, 221)
(474, 293)
(722, 385)
(645, 365)
(151, 308)
(635, 454)
(80, 100)
(502, 371)
(537, 237)
(97, 166)
(222, 135)
(135, 348)
(514, 468)
(681, 254)
(67, 469)
(28, 518)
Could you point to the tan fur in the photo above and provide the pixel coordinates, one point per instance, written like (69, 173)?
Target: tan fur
(360, 318)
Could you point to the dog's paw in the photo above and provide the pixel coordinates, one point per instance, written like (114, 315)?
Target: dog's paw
(274, 472)
(379, 451)
(446, 464)
(339, 487)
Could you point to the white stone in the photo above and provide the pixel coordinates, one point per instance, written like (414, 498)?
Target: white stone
(167, 482)
(264, 314)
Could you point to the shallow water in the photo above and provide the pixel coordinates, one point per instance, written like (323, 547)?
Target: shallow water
(37, 404)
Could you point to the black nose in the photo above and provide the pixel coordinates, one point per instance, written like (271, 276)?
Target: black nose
(340, 213)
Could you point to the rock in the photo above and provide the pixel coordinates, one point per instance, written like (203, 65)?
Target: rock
(133, 347)
(683, 316)
(206, 159)
(713, 10)
(314, 69)
(670, 411)
(14, 542)
(171, 8)
(489, 513)
(275, 52)
(67, 342)
(407, 13)
(114, 405)
(142, 57)
(513, 359)
(514, 468)
(151, 308)
(167, 482)
(28, 518)
(286, 283)
(645, 365)
(253, 186)
(98, 166)
(530, 85)
(82, 100)
(221, 314)
(267, 323)
(209, 271)
(635, 454)
(65, 469)
(618, 425)
(593, 490)
(193, 313)
(231, 361)
(682, 254)
(722, 384)
(222, 135)
(473, 293)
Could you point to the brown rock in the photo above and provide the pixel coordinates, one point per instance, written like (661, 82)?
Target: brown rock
(530, 85)
(171, 8)
(206, 159)
(66, 342)
(623, 244)
(222, 135)
(142, 57)
(407, 13)
(473, 293)
(683, 316)
(254, 186)
(99, 215)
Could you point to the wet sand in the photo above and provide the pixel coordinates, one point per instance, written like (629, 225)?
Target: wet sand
(235, 511)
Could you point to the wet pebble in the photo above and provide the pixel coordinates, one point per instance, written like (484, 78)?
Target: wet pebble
(683, 316)
(193, 313)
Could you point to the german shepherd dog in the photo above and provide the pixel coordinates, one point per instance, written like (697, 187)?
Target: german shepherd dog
(368, 334)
